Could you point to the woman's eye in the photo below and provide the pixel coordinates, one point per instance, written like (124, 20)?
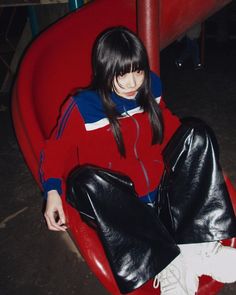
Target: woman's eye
(139, 72)
(121, 76)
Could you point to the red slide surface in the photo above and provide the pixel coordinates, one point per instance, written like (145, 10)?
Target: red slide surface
(59, 60)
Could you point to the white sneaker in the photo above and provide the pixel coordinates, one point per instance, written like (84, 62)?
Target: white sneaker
(174, 280)
(219, 262)
(212, 259)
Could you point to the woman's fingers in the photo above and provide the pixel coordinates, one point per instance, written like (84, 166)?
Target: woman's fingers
(51, 223)
(53, 220)
(62, 219)
(54, 213)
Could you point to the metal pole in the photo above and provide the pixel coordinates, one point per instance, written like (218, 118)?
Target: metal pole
(202, 44)
(149, 30)
(75, 4)
(33, 20)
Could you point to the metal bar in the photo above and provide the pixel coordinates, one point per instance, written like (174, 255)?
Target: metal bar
(149, 30)
(33, 20)
(75, 4)
(7, 3)
(202, 43)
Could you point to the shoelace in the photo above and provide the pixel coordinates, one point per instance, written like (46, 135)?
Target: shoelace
(168, 279)
(209, 250)
(156, 281)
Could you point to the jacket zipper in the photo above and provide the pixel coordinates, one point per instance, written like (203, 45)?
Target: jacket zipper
(138, 159)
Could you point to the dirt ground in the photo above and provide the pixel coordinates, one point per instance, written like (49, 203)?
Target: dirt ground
(36, 261)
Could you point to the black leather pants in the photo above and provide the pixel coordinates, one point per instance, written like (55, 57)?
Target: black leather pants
(136, 243)
(194, 202)
(193, 206)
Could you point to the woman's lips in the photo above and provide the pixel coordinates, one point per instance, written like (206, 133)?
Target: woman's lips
(133, 93)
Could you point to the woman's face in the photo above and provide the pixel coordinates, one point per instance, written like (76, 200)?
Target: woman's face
(127, 85)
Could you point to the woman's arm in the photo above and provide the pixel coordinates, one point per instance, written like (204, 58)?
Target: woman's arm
(62, 145)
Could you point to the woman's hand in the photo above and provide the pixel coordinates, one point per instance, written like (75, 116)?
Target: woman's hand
(54, 212)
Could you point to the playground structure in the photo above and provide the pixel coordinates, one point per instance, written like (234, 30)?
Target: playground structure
(59, 61)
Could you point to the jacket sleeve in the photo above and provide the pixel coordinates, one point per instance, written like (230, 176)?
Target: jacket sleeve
(60, 148)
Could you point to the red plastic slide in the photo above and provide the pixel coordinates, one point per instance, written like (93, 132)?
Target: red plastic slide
(59, 60)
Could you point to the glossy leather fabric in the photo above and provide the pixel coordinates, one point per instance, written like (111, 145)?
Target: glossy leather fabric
(195, 203)
(136, 243)
(193, 206)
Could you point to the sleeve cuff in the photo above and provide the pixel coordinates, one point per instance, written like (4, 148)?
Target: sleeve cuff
(52, 184)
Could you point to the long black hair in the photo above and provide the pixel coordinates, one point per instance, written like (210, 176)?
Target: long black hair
(118, 51)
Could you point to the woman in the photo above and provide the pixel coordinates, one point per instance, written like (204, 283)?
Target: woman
(117, 124)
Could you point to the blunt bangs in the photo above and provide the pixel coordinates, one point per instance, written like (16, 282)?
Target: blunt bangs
(127, 64)
(117, 52)
(128, 57)
(123, 54)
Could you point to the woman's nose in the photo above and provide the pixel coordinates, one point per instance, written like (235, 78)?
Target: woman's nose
(132, 80)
